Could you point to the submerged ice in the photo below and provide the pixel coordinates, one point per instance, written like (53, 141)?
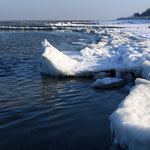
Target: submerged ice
(108, 83)
(56, 63)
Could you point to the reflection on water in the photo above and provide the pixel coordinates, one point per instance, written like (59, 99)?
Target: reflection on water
(40, 112)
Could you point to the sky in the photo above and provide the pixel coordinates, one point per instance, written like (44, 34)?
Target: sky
(70, 9)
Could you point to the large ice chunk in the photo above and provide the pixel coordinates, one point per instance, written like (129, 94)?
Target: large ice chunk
(55, 62)
(130, 123)
(119, 50)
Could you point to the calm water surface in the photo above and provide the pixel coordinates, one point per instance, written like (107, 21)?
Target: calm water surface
(43, 113)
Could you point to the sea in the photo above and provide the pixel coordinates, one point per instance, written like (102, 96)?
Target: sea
(41, 112)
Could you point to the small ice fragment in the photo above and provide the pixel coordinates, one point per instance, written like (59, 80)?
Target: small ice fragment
(108, 83)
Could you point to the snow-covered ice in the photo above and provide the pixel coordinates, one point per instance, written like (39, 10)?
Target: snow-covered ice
(56, 63)
(130, 123)
(141, 81)
(118, 49)
(146, 69)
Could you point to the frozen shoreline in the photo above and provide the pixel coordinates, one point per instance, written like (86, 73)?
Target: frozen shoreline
(118, 55)
(29, 25)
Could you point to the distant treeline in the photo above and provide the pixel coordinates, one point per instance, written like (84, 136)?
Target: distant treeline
(144, 14)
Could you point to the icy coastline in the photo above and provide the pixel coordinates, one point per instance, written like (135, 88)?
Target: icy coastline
(124, 52)
(117, 56)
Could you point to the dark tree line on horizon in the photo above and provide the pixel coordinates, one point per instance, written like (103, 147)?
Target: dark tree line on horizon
(144, 14)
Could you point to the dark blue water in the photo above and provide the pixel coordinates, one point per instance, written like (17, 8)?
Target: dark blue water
(44, 113)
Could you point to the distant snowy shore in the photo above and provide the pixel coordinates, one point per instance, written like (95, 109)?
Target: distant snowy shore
(116, 57)
(71, 25)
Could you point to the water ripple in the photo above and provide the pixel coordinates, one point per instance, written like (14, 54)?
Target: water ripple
(39, 112)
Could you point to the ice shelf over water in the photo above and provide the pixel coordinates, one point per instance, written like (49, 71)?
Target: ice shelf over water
(125, 51)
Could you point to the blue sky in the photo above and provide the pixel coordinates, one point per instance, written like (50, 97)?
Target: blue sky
(70, 9)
